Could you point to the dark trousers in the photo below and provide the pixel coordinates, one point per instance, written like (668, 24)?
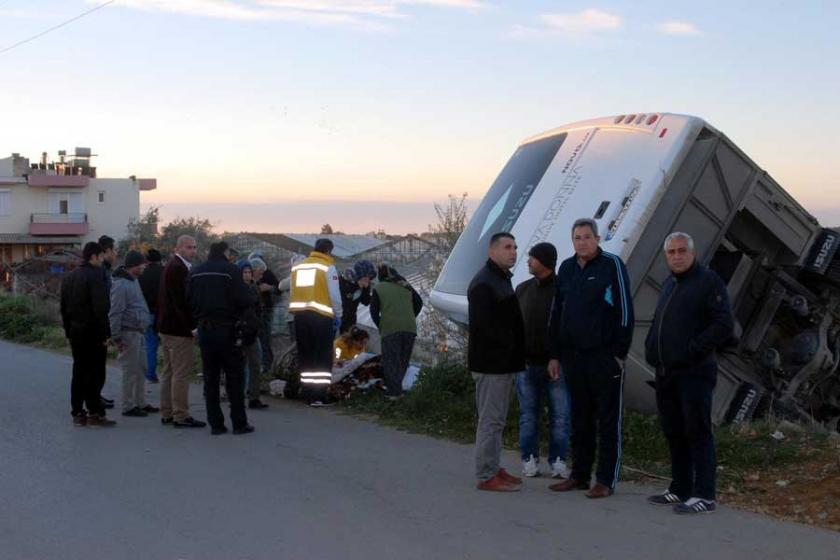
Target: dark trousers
(265, 340)
(685, 410)
(89, 356)
(596, 383)
(219, 354)
(314, 334)
(396, 354)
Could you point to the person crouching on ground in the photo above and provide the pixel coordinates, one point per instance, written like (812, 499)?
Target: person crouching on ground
(129, 318)
(496, 353)
(394, 307)
(350, 344)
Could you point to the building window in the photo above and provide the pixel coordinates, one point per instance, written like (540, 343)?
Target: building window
(5, 202)
(100, 197)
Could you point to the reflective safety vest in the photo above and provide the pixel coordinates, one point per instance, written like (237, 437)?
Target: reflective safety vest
(310, 288)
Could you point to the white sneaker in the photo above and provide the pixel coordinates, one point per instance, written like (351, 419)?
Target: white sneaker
(530, 467)
(559, 469)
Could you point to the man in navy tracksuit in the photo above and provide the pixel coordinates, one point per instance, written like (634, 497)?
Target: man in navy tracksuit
(693, 318)
(590, 333)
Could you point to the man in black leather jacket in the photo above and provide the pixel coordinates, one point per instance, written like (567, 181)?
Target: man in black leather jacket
(496, 354)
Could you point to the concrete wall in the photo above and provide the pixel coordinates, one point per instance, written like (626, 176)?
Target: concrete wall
(111, 217)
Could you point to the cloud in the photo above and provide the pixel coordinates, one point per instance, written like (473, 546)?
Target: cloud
(363, 14)
(674, 27)
(579, 23)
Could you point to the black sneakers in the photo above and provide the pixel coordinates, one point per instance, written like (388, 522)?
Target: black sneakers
(666, 498)
(695, 505)
(246, 429)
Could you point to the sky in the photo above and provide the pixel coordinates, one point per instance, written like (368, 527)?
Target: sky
(283, 115)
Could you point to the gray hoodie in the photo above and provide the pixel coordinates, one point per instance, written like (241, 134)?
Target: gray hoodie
(128, 306)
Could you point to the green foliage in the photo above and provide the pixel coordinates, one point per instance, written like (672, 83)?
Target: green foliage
(18, 321)
(442, 404)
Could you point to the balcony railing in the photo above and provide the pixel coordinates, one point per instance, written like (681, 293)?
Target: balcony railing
(74, 223)
(49, 218)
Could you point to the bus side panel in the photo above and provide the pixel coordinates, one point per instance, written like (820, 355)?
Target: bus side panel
(702, 200)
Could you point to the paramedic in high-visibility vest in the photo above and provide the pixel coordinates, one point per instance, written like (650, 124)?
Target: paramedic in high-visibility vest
(316, 304)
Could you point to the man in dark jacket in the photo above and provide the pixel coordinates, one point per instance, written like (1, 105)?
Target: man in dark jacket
(218, 298)
(150, 284)
(268, 287)
(84, 314)
(693, 319)
(354, 284)
(175, 325)
(496, 353)
(591, 330)
(533, 386)
(394, 307)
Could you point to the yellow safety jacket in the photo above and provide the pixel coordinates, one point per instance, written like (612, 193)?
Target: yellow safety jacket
(310, 285)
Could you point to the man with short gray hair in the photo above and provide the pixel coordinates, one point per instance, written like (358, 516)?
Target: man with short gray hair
(590, 334)
(692, 320)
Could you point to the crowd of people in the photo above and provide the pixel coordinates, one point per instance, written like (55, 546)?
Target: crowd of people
(225, 305)
(560, 338)
(563, 338)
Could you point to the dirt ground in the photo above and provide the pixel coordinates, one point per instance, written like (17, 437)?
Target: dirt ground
(806, 493)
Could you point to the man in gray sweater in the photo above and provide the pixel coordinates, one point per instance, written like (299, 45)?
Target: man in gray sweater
(129, 317)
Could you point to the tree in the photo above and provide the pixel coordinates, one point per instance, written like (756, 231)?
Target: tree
(199, 228)
(326, 229)
(142, 233)
(452, 219)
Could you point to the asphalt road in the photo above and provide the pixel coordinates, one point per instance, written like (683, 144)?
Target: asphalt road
(313, 484)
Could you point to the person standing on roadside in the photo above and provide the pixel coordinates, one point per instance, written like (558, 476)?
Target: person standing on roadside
(496, 354)
(269, 288)
(251, 342)
(218, 299)
(355, 286)
(109, 261)
(174, 324)
(394, 307)
(534, 385)
(692, 320)
(84, 316)
(591, 330)
(129, 318)
(315, 302)
(150, 284)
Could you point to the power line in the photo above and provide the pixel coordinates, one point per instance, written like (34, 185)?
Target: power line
(53, 28)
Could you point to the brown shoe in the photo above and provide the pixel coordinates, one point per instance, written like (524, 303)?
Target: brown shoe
(599, 491)
(100, 420)
(507, 477)
(80, 420)
(568, 485)
(497, 484)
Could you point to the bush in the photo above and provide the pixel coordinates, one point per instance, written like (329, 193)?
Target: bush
(18, 320)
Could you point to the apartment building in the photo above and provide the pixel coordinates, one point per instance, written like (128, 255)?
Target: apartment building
(62, 204)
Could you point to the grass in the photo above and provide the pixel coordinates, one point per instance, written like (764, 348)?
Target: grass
(442, 404)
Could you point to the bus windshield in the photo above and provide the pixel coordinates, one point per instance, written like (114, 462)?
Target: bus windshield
(498, 211)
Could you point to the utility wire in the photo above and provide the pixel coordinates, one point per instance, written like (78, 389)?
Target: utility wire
(53, 28)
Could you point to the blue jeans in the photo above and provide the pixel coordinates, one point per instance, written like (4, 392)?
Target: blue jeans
(152, 341)
(532, 386)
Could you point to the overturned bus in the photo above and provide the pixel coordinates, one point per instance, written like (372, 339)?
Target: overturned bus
(642, 176)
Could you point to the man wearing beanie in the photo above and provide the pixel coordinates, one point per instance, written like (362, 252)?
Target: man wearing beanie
(150, 284)
(534, 386)
(129, 317)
